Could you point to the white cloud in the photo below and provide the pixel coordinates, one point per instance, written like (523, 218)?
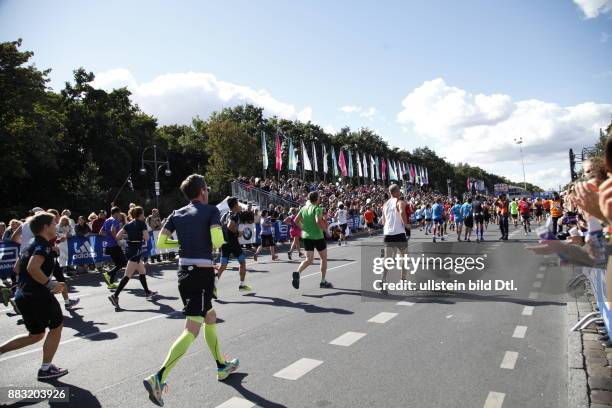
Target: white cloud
(350, 108)
(480, 129)
(178, 97)
(369, 113)
(329, 129)
(593, 8)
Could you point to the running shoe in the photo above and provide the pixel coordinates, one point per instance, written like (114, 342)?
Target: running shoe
(295, 280)
(112, 286)
(214, 294)
(275, 257)
(434, 239)
(230, 367)
(15, 308)
(155, 389)
(289, 255)
(114, 301)
(51, 372)
(326, 285)
(150, 295)
(71, 303)
(339, 243)
(6, 296)
(244, 288)
(107, 278)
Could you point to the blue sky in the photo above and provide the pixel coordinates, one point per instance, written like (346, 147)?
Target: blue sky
(313, 58)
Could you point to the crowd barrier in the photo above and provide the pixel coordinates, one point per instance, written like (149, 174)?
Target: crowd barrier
(598, 282)
(9, 252)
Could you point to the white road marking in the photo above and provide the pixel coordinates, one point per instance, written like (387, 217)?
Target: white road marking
(542, 268)
(509, 360)
(330, 269)
(402, 303)
(382, 317)
(449, 316)
(519, 332)
(347, 339)
(494, 399)
(533, 295)
(236, 402)
(298, 369)
(537, 284)
(527, 311)
(539, 276)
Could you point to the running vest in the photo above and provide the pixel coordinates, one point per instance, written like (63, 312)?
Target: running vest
(393, 219)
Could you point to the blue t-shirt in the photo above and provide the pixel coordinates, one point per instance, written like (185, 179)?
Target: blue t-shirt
(466, 209)
(456, 210)
(192, 225)
(428, 213)
(417, 214)
(108, 224)
(266, 229)
(437, 210)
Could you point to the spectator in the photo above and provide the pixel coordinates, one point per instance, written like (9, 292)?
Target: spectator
(81, 229)
(97, 224)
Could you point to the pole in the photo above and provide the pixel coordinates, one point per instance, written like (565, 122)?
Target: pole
(156, 176)
(523, 160)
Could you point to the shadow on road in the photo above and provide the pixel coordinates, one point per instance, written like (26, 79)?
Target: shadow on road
(87, 328)
(236, 382)
(275, 301)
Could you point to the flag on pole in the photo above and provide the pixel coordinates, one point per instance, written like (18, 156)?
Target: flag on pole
(264, 151)
(350, 160)
(342, 163)
(305, 159)
(279, 154)
(468, 185)
(392, 175)
(314, 158)
(412, 172)
(334, 162)
(291, 164)
(377, 167)
(359, 168)
(372, 168)
(324, 160)
(383, 169)
(426, 176)
(421, 175)
(365, 166)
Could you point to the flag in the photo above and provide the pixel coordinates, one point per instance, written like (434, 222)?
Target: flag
(334, 163)
(468, 184)
(342, 163)
(421, 175)
(350, 159)
(324, 160)
(305, 159)
(426, 176)
(264, 151)
(365, 166)
(412, 172)
(279, 154)
(291, 165)
(359, 168)
(392, 175)
(377, 168)
(314, 158)
(372, 169)
(383, 169)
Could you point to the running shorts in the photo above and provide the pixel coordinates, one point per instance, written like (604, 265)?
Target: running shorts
(267, 241)
(468, 222)
(312, 244)
(117, 255)
(40, 313)
(228, 249)
(343, 228)
(398, 241)
(514, 215)
(525, 217)
(134, 252)
(370, 225)
(196, 286)
(439, 221)
(478, 218)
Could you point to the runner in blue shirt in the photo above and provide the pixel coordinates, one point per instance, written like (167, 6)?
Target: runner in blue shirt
(458, 215)
(437, 211)
(428, 218)
(468, 219)
(109, 231)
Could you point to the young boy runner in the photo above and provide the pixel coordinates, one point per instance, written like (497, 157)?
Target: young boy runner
(35, 296)
(198, 230)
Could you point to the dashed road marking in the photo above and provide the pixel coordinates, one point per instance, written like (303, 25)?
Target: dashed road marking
(402, 303)
(542, 268)
(298, 369)
(539, 276)
(519, 332)
(449, 316)
(347, 339)
(330, 269)
(494, 399)
(533, 295)
(527, 311)
(537, 284)
(382, 317)
(509, 360)
(236, 402)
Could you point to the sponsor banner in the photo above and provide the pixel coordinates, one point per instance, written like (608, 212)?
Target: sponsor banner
(9, 253)
(249, 234)
(90, 249)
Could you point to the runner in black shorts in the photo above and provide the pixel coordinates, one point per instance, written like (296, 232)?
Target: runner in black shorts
(35, 296)
(58, 272)
(198, 229)
(478, 212)
(137, 236)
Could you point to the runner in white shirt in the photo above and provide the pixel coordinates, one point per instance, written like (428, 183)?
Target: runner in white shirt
(341, 217)
(394, 220)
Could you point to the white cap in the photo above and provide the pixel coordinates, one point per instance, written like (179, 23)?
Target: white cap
(36, 209)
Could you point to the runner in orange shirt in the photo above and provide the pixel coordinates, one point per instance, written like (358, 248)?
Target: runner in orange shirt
(368, 216)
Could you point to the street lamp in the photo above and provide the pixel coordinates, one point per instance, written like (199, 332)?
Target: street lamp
(519, 142)
(448, 185)
(157, 165)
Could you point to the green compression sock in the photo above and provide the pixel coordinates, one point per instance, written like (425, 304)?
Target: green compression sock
(178, 349)
(210, 334)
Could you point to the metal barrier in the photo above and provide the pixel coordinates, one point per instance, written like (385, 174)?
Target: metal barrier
(597, 281)
(260, 197)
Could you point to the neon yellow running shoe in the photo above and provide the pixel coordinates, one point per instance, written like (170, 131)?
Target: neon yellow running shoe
(230, 367)
(155, 389)
(245, 288)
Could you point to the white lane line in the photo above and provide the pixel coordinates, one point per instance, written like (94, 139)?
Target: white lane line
(298, 369)
(519, 332)
(533, 295)
(494, 399)
(542, 268)
(111, 329)
(509, 360)
(539, 276)
(449, 316)
(402, 303)
(236, 402)
(347, 339)
(330, 269)
(382, 317)
(537, 284)
(527, 311)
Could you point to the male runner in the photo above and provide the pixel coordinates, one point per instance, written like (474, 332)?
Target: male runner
(229, 223)
(266, 235)
(312, 222)
(502, 210)
(437, 211)
(458, 216)
(35, 295)
(514, 212)
(525, 209)
(109, 231)
(368, 216)
(478, 213)
(341, 217)
(394, 228)
(468, 219)
(198, 229)
(539, 210)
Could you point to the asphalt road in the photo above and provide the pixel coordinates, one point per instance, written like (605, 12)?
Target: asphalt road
(442, 350)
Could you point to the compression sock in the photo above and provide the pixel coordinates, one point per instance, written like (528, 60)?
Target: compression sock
(143, 282)
(178, 349)
(122, 284)
(210, 334)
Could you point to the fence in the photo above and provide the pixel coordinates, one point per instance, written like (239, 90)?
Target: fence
(259, 196)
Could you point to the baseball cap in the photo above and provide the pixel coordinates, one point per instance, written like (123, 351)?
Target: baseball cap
(36, 209)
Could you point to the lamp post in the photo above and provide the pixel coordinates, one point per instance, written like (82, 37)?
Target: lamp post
(157, 165)
(519, 142)
(448, 185)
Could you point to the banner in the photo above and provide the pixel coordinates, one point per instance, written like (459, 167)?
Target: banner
(383, 169)
(350, 164)
(292, 163)
(324, 160)
(90, 250)
(306, 160)
(248, 234)
(9, 253)
(264, 151)
(359, 168)
(279, 154)
(342, 163)
(334, 163)
(314, 158)
(374, 168)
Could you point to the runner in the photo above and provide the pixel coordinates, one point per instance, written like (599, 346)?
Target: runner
(525, 210)
(428, 218)
(35, 295)
(109, 231)
(514, 212)
(368, 216)
(198, 229)
(418, 217)
(394, 221)
(539, 210)
(478, 212)
(340, 217)
(502, 210)
(437, 211)
(556, 212)
(468, 219)
(267, 239)
(137, 236)
(457, 212)
(231, 233)
(313, 224)
(546, 205)
(486, 211)
(295, 233)
(58, 272)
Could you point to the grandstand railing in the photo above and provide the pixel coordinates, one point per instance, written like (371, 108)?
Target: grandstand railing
(259, 197)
